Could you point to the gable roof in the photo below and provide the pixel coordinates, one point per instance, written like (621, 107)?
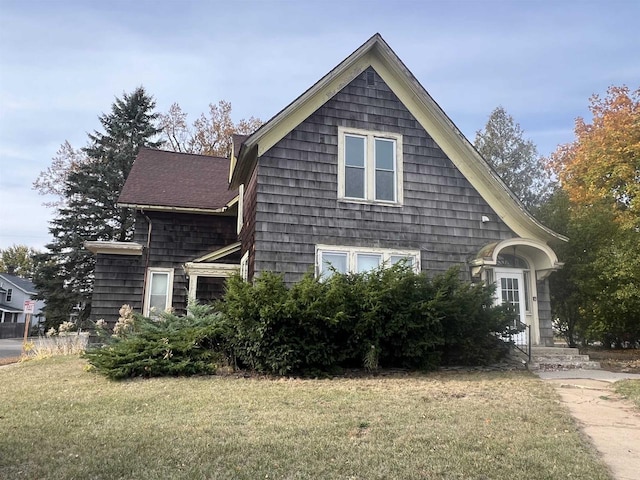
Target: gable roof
(377, 54)
(238, 141)
(23, 284)
(163, 180)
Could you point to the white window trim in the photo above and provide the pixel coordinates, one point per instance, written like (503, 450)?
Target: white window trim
(240, 209)
(352, 253)
(9, 295)
(147, 295)
(244, 266)
(370, 170)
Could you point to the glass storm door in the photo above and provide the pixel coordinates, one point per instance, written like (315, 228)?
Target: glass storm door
(510, 289)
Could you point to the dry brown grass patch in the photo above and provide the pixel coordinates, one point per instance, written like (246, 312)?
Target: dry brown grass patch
(438, 426)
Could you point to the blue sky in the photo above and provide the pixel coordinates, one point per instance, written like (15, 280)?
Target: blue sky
(62, 63)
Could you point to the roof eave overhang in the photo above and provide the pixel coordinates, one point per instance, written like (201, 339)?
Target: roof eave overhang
(457, 147)
(297, 111)
(166, 208)
(114, 248)
(377, 54)
(28, 292)
(7, 309)
(220, 253)
(219, 270)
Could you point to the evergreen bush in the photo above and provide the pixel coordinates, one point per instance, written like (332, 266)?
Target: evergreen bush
(470, 321)
(173, 345)
(389, 317)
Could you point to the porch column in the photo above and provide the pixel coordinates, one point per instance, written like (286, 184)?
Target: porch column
(193, 286)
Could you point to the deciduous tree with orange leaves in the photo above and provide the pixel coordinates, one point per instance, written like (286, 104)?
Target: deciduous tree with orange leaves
(602, 165)
(596, 296)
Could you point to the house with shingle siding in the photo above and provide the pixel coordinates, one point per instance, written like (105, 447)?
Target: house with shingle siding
(363, 169)
(14, 291)
(185, 212)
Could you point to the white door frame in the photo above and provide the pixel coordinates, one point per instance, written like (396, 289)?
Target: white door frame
(518, 275)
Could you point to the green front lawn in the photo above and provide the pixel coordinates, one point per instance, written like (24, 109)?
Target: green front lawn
(59, 422)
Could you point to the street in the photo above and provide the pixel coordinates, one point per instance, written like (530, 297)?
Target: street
(10, 347)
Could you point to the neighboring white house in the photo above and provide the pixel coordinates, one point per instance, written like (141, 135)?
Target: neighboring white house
(13, 293)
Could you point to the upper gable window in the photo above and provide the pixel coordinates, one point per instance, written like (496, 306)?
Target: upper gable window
(369, 166)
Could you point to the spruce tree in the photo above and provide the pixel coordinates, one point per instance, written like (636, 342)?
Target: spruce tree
(515, 159)
(89, 211)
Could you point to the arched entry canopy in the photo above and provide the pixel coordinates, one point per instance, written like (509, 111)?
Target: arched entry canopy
(541, 257)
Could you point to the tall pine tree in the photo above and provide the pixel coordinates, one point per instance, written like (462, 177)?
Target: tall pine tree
(515, 159)
(89, 211)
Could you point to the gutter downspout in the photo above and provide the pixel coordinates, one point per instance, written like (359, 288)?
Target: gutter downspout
(146, 261)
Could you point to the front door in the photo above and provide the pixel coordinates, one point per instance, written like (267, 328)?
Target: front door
(510, 289)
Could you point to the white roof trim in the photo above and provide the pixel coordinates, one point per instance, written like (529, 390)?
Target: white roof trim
(544, 258)
(221, 252)
(163, 208)
(114, 248)
(8, 309)
(376, 53)
(211, 269)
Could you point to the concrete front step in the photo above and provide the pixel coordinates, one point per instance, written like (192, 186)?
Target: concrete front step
(554, 351)
(564, 365)
(560, 358)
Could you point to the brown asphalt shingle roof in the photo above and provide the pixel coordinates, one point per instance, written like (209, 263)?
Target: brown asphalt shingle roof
(237, 142)
(159, 178)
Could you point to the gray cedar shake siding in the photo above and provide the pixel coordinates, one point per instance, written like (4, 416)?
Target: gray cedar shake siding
(248, 231)
(297, 205)
(544, 313)
(176, 238)
(118, 281)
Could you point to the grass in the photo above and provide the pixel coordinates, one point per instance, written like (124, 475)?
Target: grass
(58, 421)
(629, 389)
(62, 344)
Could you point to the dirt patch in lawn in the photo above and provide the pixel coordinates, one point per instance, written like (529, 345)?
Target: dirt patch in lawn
(625, 361)
(7, 361)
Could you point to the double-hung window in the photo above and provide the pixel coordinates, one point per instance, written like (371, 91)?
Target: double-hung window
(159, 291)
(369, 166)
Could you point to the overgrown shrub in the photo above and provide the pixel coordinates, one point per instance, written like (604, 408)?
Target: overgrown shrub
(280, 330)
(470, 321)
(401, 311)
(172, 345)
(390, 317)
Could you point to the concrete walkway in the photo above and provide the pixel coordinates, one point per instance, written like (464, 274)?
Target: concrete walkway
(611, 423)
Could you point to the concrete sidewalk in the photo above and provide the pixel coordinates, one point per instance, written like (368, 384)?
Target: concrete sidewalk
(611, 423)
(578, 373)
